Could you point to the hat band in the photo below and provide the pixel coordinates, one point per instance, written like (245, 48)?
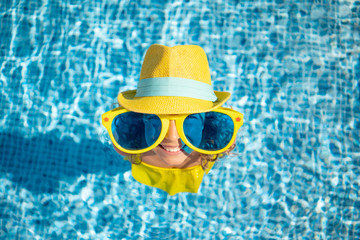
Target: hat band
(175, 87)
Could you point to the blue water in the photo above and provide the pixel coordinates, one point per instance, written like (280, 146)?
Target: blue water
(292, 67)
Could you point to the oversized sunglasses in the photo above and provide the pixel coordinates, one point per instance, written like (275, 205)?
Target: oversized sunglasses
(209, 132)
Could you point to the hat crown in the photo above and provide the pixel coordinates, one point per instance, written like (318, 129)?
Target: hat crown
(184, 61)
(173, 80)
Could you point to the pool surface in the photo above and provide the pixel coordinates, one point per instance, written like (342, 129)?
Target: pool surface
(293, 68)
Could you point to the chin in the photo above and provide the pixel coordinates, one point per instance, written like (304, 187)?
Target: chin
(174, 162)
(171, 159)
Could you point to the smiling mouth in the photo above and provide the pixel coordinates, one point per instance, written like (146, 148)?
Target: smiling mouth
(171, 149)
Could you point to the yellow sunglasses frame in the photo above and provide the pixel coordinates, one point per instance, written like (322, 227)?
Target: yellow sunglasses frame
(108, 117)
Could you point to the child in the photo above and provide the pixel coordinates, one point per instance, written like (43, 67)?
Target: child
(173, 127)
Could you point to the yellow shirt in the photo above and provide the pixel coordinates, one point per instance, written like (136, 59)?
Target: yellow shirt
(171, 180)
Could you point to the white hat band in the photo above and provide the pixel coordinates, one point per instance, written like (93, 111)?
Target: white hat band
(175, 87)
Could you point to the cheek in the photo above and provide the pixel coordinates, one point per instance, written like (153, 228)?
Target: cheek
(152, 152)
(157, 151)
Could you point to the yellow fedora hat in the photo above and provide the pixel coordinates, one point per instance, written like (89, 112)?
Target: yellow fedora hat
(173, 80)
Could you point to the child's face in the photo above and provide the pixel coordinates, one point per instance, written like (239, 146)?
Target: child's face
(169, 154)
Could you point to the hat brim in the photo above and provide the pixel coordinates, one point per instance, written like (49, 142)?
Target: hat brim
(169, 105)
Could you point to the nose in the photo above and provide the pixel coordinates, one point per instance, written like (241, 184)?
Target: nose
(172, 133)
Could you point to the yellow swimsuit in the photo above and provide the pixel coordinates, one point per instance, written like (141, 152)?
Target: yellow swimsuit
(171, 180)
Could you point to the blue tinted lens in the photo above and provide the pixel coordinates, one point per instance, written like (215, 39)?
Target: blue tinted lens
(135, 131)
(209, 131)
(193, 126)
(152, 128)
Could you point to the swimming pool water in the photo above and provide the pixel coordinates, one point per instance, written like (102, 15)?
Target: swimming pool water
(293, 69)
